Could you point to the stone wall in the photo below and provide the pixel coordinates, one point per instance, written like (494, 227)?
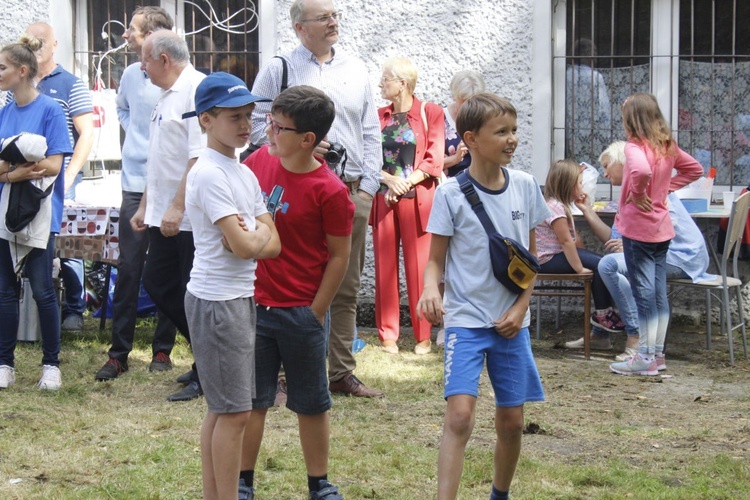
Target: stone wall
(493, 37)
(16, 15)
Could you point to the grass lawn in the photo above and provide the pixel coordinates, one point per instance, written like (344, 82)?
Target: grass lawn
(597, 436)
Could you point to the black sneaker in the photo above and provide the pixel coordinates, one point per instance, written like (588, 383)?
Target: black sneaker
(111, 370)
(245, 492)
(160, 363)
(185, 378)
(191, 391)
(326, 491)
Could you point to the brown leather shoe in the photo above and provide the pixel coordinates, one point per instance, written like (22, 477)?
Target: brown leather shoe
(352, 386)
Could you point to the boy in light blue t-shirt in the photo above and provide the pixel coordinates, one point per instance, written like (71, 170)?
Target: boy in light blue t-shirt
(483, 319)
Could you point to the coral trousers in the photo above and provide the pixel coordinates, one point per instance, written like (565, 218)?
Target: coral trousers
(399, 222)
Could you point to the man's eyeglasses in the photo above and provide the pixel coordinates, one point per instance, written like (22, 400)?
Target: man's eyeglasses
(325, 20)
(278, 128)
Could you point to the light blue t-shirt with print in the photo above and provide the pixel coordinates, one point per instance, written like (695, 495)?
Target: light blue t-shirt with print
(473, 296)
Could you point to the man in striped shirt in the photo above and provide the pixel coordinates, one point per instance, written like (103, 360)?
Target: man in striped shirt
(344, 79)
(75, 98)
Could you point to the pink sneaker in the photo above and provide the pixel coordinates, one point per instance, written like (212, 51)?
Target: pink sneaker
(610, 321)
(635, 366)
(661, 363)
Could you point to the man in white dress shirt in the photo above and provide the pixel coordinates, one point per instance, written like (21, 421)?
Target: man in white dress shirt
(344, 79)
(174, 146)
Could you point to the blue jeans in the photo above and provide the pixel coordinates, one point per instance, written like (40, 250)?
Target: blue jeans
(75, 293)
(647, 269)
(614, 272)
(38, 268)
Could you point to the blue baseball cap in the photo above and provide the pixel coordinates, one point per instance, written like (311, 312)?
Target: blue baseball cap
(221, 90)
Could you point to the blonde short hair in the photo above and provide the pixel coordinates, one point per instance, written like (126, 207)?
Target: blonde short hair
(402, 68)
(615, 152)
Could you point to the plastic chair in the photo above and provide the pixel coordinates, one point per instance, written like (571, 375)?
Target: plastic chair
(728, 279)
(581, 289)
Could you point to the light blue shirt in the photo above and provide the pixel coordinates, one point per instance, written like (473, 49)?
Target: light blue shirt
(344, 79)
(136, 99)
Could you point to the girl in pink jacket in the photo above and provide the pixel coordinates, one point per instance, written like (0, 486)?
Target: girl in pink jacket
(650, 156)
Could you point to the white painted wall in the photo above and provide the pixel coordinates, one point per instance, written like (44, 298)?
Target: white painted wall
(494, 37)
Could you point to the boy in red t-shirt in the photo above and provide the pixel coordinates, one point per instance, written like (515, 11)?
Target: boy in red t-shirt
(313, 215)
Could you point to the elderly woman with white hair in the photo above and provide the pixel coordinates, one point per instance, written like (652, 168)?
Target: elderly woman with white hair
(413, 142)
(464, 84)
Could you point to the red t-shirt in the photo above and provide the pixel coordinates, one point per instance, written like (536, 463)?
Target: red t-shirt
(305, 208)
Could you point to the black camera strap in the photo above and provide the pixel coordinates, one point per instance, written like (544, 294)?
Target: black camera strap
(284, 74)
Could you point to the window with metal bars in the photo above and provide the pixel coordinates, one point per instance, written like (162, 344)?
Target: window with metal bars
(222, 35)
(693, 55)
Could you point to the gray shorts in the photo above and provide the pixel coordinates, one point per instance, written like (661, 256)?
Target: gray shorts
(222, 335)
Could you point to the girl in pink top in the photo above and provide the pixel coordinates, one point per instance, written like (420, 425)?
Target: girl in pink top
(560, 251)
(650, 156)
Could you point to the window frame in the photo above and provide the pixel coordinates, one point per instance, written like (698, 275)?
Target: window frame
(665, 65)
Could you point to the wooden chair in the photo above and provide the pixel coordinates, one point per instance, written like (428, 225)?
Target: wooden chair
(579, 285)
(727, 279)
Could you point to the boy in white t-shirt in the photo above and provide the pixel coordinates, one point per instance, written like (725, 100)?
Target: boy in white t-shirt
(231, 229)
(484, 321)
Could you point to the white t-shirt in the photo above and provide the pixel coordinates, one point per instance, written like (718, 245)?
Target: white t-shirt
(218, 186)
(173, 142)
(473, 296)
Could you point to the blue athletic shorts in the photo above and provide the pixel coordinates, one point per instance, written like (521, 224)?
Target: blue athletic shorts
(510, 365)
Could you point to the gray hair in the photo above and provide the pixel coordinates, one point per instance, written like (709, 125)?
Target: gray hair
(466, 83)
(615, 152)
(170, 43)
(295, 11)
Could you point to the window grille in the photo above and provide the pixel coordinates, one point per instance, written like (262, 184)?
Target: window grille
(222, 35)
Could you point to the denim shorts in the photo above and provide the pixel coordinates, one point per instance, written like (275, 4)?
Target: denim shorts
(292, 336)
(510, 365)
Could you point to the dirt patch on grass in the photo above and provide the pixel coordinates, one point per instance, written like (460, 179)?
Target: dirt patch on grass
(700, 406)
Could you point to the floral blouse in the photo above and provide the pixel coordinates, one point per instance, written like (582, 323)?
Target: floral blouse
(399, 148)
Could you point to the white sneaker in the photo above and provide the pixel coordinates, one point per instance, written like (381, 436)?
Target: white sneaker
(7, 376)
(596, 343)
(51, 378)
(635, 366)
